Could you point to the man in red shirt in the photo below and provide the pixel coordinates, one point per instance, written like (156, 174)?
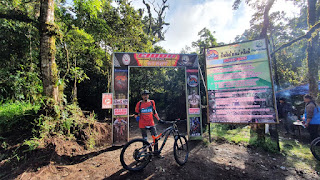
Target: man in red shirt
(146, 108)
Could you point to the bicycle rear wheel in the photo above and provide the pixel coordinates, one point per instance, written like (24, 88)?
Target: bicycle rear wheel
(180, 150)
(315, 148)
(136, 155)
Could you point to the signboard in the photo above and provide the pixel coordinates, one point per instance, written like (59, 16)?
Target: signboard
(240, 88)
(106, 100)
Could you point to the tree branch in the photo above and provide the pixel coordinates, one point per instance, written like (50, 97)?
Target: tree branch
(17, 16)
(307, 35)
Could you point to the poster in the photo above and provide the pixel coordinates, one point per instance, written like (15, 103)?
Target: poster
(107, 100)
(193, 96)
(239, 84)
(121, 80)
(120, 130)
(195, 126)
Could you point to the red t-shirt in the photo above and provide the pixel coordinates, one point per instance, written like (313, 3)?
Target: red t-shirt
(146, 113)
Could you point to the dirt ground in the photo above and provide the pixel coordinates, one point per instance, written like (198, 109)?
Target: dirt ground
(218, 160)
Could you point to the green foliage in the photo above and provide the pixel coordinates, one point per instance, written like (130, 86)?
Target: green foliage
(69, 120)
(23, 85)
(32, 143)
(92, 7)
(17, 116)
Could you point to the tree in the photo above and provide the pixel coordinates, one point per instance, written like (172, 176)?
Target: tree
(155, 26)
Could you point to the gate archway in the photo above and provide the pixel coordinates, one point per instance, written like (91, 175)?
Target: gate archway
(120, 88)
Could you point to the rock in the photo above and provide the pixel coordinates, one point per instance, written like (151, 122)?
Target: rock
(227, 168)
(274, 159)
(282, 167)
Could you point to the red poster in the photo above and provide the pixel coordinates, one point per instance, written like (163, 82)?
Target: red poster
(120, 111)
(106, 100)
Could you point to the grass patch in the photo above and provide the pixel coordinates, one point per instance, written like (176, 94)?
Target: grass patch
(238, 135)
(241, 134)
(16, 115)
(299, 155)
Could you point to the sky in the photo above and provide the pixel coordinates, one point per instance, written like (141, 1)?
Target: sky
(188, 17)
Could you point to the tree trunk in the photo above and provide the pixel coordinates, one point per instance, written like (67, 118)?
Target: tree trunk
(312, 46)
(75, 91)
(48, 50)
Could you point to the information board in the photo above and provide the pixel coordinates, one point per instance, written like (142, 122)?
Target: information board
(239, 84)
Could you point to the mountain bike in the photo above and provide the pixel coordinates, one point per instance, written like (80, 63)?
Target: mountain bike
(137, 153)
(315, 148)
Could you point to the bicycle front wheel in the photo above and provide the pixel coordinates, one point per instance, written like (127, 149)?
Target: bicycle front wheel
(136, 155)
(180, 150)
(315, 148)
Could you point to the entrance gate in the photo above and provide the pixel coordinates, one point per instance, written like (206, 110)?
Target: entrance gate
(120, 88)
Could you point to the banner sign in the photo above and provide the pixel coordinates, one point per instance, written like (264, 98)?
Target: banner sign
(120, 111)
(152, 59)
(107, 100)
(239, 84)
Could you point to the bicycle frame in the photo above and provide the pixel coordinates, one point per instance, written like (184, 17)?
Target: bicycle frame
(173, 129)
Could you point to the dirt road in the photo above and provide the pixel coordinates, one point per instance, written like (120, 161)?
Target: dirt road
(206, 161)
